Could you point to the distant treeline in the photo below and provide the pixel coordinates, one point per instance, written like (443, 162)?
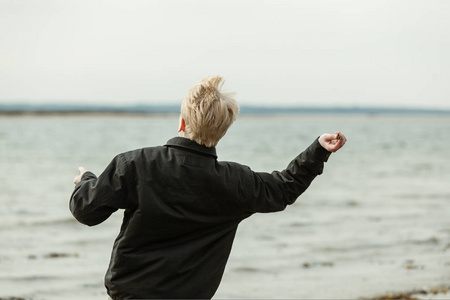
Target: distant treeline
(175, 109)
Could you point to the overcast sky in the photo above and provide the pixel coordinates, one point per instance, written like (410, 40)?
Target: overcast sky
(338, 53)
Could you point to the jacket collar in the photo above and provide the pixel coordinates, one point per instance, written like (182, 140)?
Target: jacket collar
(191, 145)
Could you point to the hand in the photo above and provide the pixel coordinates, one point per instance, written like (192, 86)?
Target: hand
(331, 142)
(78, 177)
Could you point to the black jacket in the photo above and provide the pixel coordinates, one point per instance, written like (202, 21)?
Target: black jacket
(182, 208)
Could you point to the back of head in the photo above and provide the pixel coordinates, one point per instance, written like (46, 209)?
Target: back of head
(208, 112)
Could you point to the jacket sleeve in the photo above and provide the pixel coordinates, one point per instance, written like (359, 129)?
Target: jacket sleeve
(273, 192)
(95, 199)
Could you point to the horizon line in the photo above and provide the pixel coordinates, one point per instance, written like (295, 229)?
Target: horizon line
(40, 108)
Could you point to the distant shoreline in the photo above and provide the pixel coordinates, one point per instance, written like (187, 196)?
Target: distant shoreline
(81, 113)
(137, 110)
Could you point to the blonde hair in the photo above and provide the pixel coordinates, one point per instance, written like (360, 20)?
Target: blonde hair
(208, 112)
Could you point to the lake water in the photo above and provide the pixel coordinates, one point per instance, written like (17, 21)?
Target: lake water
(376, 221)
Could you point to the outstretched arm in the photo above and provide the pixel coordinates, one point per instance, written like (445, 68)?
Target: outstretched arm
(272, 192)
(95, 199)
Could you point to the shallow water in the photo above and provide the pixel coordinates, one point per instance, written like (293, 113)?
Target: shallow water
(376, 221)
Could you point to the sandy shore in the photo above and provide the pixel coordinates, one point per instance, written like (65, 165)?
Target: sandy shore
(441, 292)
(436, 293)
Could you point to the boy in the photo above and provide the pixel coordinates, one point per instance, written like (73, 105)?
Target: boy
(182, 205)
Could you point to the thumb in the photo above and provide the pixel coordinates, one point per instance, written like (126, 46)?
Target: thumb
(77, 178)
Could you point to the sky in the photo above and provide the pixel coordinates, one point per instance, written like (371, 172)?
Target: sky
(272, 53)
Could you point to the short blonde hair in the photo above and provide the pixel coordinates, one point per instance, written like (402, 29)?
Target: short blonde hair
(208, 112)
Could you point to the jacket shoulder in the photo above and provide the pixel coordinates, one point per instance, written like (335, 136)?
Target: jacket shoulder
(234, 166)
(136, 154)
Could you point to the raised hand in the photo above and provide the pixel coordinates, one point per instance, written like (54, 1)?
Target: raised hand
(332, 142)
(77, 178)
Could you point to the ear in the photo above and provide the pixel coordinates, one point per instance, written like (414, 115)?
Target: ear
(182, 125)
(224, 133)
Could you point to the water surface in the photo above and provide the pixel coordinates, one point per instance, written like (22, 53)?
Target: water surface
(376, 221)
